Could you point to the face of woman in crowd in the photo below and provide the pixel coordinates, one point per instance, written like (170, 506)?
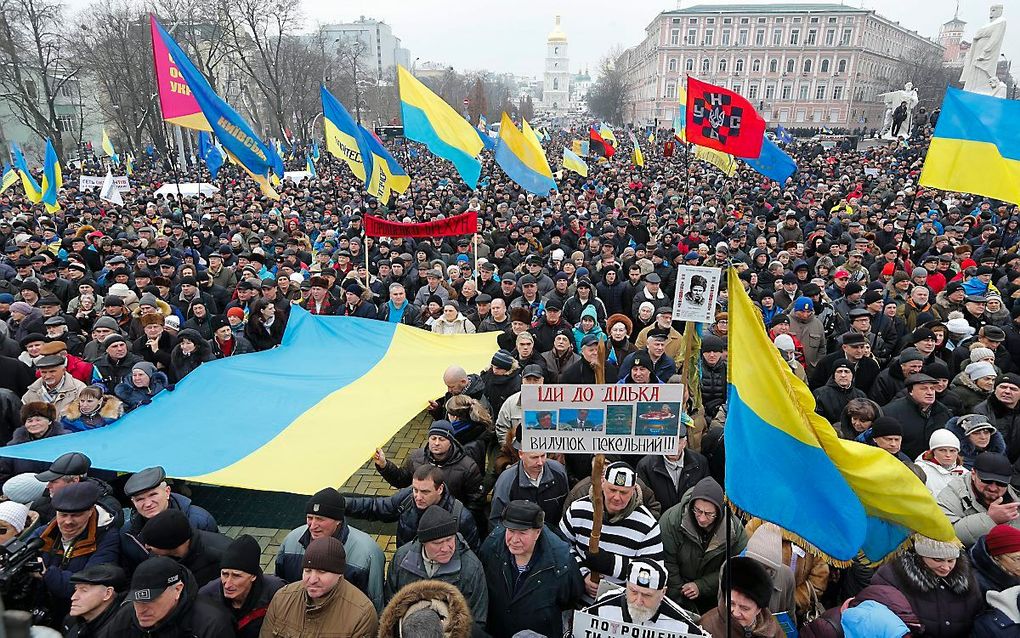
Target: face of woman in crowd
(618, 332)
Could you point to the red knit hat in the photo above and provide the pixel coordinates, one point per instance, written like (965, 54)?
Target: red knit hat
(889, 269)
(1003, 539)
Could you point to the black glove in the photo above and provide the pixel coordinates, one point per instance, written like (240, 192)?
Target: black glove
(602, 562)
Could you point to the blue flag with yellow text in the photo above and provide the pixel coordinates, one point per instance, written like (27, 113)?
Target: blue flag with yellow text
(344, 138)
(236, 136)
(387, 175)
(785, 464)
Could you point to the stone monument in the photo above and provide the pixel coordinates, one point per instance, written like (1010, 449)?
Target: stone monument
(892, 100)
(982, 62)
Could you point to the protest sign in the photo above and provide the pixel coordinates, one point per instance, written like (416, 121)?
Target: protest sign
(602, 419)
(588, 626)
(697, 289)
(96, 181)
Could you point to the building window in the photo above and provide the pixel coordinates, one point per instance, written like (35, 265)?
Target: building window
(742, 37)
(812, 37)
(791, 65)
(807, 65)
(801, 114)
(761, 20)
(814, 20)
(66, 123)
(689, 64)
(841, 66)
(745, 21)
(755, 66)
(706, 65)
(770, 91)
(709, 37)
(737, 86)
(738, 66)
(777, 37)
(677, 20)
(709, 20)
(556, 84)
(844, 40)
(759, 38)
(673, 64)
(820, 92)
(794, 37)
(692, 21)
(752, 90)
(805, 88)
(722, 65)
(830, 37)
(727, 20)
(674, 37)
(816, 115)
(773, 65)
(823, 66)
(726, 37)
(692, 37)
(837, 92)
(834, 115)
(670, 90)
(787, 91)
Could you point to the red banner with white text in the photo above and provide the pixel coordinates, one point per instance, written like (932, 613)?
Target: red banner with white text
(463, 224)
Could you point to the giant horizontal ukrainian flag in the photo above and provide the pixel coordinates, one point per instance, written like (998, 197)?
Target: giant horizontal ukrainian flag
(522, 159)
(976, 147)
(434, 123)
(291, 419)
(785, 464)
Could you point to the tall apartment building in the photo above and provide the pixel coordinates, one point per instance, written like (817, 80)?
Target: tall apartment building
(801, 65)
(381, 49)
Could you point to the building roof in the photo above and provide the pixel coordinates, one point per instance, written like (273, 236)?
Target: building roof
(557, 35)
(784, 7)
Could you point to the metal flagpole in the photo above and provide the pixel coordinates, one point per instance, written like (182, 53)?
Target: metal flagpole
(724, 510)
(474, 270)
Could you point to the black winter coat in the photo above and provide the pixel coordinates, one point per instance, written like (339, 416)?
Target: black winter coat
(830, 400)
(401, 508)
(192, 617)
(581, 372)
(713, 387)
(652, 470)
(460, 472)
(247, 620)
(917, 427)
(1006, 421)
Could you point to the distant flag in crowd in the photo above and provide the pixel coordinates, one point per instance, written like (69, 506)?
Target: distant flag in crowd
(209, 153)
(387, 175)
(690, 362)
(310, 166)
(783, 135)
(129, 164)
(680, 121)
(437, 125)
(607, 134)
(10, 177)
(107, 146)
(277, 159)
(150, 150)
(109, 191)
(483, 134)
(176, 99)
(859, 497)
(32, 189)
(412, 152)
(723, 161)
(773, 162)
(721, 119)
(636, 156)
(483, 124)
(315, 150)
(521, 157)
(237, 137)
(599, 146)
(651, 136)
(572, 162)
(975, 147)
(52, 178)
(344, 138)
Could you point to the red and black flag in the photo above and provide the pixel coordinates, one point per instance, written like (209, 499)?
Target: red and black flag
(722, 120)
(599, 146)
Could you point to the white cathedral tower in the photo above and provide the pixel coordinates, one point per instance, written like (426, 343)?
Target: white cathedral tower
(556, 87)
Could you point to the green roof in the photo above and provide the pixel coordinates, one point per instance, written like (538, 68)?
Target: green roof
(787, 7)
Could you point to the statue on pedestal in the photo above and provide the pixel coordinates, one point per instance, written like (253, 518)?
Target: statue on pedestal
(899, 112)
(982, 62)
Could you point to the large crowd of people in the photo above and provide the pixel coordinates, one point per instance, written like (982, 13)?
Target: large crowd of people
(896, 304)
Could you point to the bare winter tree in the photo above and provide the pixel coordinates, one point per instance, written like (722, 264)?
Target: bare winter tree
(608, 94)
(36, 65)
(200, 28)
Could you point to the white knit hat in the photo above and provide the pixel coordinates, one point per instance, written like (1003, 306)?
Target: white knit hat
(785, 342)
(24, 488)
(931, 548)
(980, 369)
(977, 354)
(14, 514)
(943, 438)
(959, 327)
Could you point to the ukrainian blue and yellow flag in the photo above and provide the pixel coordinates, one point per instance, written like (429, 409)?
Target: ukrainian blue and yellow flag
(10, 177)
(310, 166)
(723, 161)
(344, 139)
(298, 420)
(129, 164)
(607, 133)
(785, 464)
(387, 175)
(522, 159)
(33, 192)
(107, 146)
(437, 125)
(572, 162)
(680, 121)
(636, 155)
(976, 147)
(315, 151)
(53, 179)
(237, 137)
(210, 153)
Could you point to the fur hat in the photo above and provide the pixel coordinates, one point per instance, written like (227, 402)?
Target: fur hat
(151, 319)
(620, 318)
(38, 408)
(401, 614)
(747, 576)
(520, 314)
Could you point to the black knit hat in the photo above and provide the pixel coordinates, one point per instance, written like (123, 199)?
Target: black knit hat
(326, 554)
(748, 577)
(436, 523)
(326, 502)
(167, 530)
(243, 554)
(886, 426)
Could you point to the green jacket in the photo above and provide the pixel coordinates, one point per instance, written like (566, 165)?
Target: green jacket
(689, 561)
(464, 571)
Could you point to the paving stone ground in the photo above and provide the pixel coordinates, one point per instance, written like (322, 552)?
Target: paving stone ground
(286, 511)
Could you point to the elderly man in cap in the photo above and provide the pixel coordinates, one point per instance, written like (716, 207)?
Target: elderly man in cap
(919, 412)
(434, 286)
(590, 368)
(115, 365)
(76, 367)
(991, 337)
(671, 475)
(242, 589)
(325, 517)
(536, 478)
(642, 601)
(55, 384)
(809, 331)
(170, 533)
(101, 329)
(663, 366)
(69, 469)
(323, 603)
(163, 601)
(440, 553)
(1003, 410)
(80, 535)
(629, 530)
(663, 321)
(99, 591)
(977, 502)
(853, 348)
(354, 302)
(530, 573)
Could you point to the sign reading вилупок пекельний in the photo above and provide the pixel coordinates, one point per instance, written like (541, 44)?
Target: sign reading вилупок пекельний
(601, 419)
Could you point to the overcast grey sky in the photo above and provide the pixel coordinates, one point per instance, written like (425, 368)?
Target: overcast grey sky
(511, 36)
